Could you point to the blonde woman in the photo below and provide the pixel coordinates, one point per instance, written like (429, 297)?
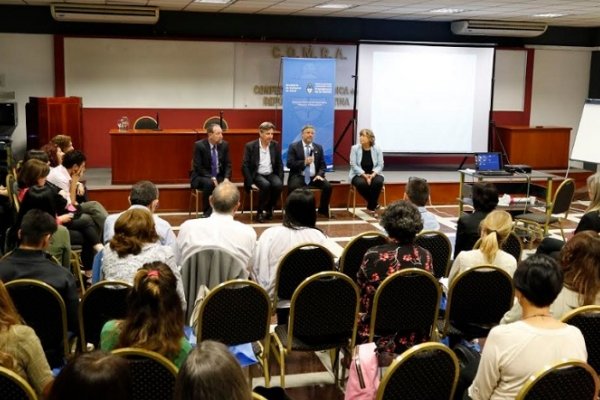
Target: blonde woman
(495, 228)
(366, 164)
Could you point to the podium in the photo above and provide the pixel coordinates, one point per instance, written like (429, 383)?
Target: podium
(47, 117)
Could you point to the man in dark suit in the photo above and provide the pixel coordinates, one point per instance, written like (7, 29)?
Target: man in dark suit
(263, 170)
(211, 164)
(306, 162)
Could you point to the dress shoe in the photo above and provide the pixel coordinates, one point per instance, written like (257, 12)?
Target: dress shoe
(260, 217)
(269, 215)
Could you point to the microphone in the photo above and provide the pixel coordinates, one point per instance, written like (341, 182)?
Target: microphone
(221, 119)
(157, 121)
(311, 152)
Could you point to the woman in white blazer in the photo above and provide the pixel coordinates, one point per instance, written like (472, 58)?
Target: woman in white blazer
(366, 164)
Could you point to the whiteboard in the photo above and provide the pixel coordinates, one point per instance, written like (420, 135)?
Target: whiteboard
(587, 141)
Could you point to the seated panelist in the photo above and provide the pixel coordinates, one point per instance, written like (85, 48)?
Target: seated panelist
(366, 164)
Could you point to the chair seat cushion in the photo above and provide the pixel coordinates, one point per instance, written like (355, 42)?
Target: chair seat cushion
(536, 217)
(315, 343)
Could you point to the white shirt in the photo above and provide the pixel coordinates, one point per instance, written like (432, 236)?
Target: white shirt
(218, 230)
(60, 177)
(264, 164)
(163, 229)
(468, 259)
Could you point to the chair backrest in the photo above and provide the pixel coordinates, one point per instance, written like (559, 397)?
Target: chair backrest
(406, 301)
(209, 267)
(479, 296)
(12, 191)
(564, 380)
(512, 245)
(235, 312)
(44, 310)
(145, 122)
(426, 371)
(587, 319)
(102, 302)
(324, 310)
(298, 264)
(440, 248)
(153, 375)
(13, 387)
(563, 197)
(355, 250)
(215, 119)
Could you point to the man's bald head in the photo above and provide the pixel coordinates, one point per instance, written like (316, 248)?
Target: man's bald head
(225, 198)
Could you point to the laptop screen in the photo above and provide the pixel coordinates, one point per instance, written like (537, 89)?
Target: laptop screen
(488, 162)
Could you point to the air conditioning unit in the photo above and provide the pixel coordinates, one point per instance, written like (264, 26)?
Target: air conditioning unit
(104, 13)
(498, 28)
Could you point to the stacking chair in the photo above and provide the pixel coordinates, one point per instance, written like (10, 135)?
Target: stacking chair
(195, 196)
(12, 188)
(323, 316)
(352, 195)
(102, 302)
(477, 300)
(538, 223)
(145, 122)
(406, 301)
(587, 319)
(237, 312)
(44, 310)
(13, 387)
(512, 245)
(355, 250)
(427, 371)
(153, 376)
(440, 248)
(565, 380)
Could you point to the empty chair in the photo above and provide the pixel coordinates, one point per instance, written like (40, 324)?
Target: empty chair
(215, 119)
(145, 122)
(440, 248)
(13, 387)
(587, 319)
(353, 253)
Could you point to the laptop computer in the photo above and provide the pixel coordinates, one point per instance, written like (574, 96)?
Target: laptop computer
(490, 164)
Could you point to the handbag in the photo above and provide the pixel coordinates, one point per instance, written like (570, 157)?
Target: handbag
(363, 378)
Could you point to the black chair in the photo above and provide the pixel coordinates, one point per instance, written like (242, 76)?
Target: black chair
(440, 248)
(44, 310)
(565, 380)
(355, 250)
(512, 245)
(406, 301)
(13, 387)
(428, 371)
(145, 122)
(587, 319)
(102, 302)
(237, 312)
(153, 376)
(323, 316)
(477, 300)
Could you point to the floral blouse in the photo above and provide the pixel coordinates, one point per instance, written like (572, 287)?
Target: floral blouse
(378, 263)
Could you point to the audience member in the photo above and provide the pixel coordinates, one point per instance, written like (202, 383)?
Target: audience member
(402, 221)
(220, 229)
(263, 170)
(64, 142)
(580, 260)
(33, 172)
(211, 164)
(144, 195)
(154, 318)
(495, 228)
(54, 153)
(417, 192)
(93, 376)
(135, 244)
(20, 348)
(485, 200)
(366, 164)
(513, 352)
(306, 162)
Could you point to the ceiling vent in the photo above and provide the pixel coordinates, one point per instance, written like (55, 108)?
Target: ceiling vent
(104, 13)
(498, 28)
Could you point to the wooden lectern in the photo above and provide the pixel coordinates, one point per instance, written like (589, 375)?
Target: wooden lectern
(47, 117)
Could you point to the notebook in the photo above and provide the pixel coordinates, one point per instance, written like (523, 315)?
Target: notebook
(489, 164)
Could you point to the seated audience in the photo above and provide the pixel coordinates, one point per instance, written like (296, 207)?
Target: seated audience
(33, 172)
(134, 244)
(495, 228)
(402, 221)
(64, 142)
(154, 318)
(54, 153)
(513, 352)
(417, 192)
(144, 195)
(93, 376)
(220, 230)
(211, 372)
(485, 199)
(366, 165)
(580, 260)
(20, 348)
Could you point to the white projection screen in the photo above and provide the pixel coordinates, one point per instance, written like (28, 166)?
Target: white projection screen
(425, 99)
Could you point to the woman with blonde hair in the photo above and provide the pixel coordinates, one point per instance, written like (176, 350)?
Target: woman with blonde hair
(134, 244)
(366, 164)
(154, 319)
(495, 228)
(20, 348)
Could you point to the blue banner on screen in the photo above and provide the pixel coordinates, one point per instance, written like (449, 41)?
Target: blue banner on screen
(308, 99)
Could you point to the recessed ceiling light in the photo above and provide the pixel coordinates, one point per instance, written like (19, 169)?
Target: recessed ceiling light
(447, 11)
(214, 1)
(334, 6)
(549, 15)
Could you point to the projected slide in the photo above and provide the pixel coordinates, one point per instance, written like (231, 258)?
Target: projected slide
(425, 99)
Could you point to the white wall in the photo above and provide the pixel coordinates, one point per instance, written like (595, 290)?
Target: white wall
(27, 68)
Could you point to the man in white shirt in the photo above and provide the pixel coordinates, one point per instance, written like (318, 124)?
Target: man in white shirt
(144, 194)
(220, 229)
(417, 192)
